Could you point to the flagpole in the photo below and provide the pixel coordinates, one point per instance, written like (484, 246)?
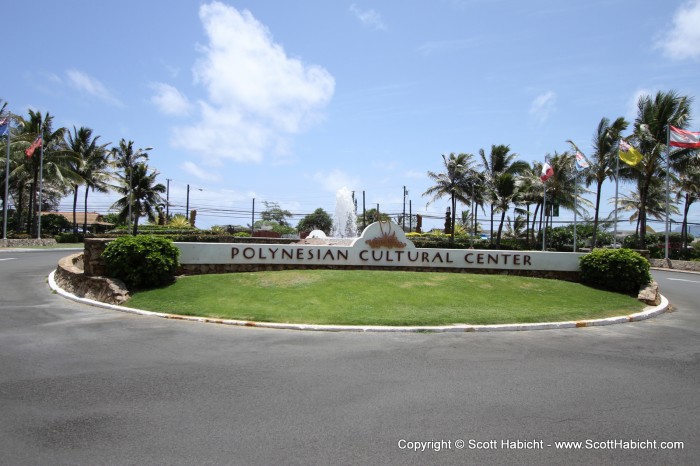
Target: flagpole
(668, 193)
(575, 204)
(617, 178)
(7, 179)
(544, 214)
(41, 176)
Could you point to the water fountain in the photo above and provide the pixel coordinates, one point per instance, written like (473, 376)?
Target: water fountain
(344, 220)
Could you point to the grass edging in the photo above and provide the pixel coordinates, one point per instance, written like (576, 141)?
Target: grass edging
(646, 313)
(382, 298)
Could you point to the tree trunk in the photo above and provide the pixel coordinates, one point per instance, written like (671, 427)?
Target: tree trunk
(19, 207)
(684, 227)
(32, 205)
(454, 214)
(594, 240)
(75, 208)
(534, 221)
(527, 225)
(87, 190)
(643, 192)
(500, 229)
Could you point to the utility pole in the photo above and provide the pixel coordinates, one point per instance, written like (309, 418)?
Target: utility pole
(364, 212)
(403, 214)
(187, 203)
(167, 200)
(252, 220)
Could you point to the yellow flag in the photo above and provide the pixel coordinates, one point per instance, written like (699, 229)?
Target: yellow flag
(629, 154)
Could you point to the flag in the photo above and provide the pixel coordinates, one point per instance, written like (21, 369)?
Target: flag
(547, 172)
(30, 150)
(4, 126)
(629, 154)
(683, 138)
(581, 162)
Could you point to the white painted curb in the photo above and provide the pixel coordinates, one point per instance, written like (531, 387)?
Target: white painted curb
(648, 312)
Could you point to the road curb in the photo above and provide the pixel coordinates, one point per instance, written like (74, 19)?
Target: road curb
(648, 312)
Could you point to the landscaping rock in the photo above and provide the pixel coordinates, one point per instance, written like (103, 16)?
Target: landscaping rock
(71, 277)
(650, 294)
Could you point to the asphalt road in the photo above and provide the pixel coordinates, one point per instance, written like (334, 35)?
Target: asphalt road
(81, 385)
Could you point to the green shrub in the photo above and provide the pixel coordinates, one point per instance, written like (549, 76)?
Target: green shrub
(562, 238)
(141, 261)
(218, 230)
(656, 244)
(68, 238)
(54, 224)
(621, 270)
(695, 251)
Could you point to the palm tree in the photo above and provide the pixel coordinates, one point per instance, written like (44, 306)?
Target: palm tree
(562, 187)
(650, 133)
(145, 195)
(96, 171)
(451, 183)
(91, 164)
(515, 228)
(473, 188)
(504, 191)
(602, 161)
(500, 161)
(655, 208)
(531, 192)
(57, 160)
(125, 158)
(688, 185)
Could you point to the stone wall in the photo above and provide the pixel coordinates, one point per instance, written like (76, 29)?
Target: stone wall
(94, 266)
(199, 269)
(20, 243)
(690, 266)
(70, 277)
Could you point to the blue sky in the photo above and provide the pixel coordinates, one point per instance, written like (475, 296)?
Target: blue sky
(289, 101)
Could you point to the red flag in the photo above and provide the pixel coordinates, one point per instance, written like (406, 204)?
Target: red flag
(581, 162)
(683, 138)
(547, 172)
(30, 150)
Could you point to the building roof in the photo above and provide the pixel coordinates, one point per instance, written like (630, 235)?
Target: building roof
(93, 218)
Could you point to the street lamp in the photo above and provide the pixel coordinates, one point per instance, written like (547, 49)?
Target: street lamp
(130, 162)
(187, 206)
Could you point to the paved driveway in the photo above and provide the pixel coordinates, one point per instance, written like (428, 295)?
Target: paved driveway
(80, 385)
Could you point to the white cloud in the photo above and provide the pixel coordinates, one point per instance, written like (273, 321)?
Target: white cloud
(257, 96)
(169, 100)
(369, 18)
(198, 172)
(543, 106)
(682, 39)
(334, 180)
(90, 85)
(632, 108)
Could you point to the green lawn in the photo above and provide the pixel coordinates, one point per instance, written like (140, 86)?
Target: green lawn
(357, 297)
